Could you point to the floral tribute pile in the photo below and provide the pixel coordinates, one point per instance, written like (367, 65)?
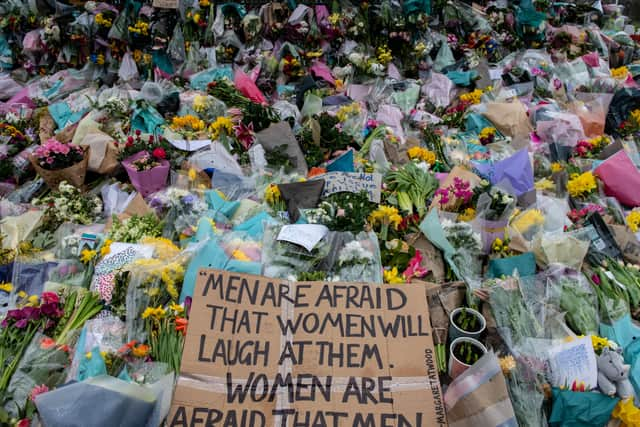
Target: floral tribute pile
(487, 151)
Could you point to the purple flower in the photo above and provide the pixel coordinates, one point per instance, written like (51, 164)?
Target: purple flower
(189, 199)
(50, 309)
(15, 314)
(21, 324)
(31, 313)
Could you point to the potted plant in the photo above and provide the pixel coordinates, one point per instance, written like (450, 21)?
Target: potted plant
(148, 172)
(466, 322)
(56, 162)
(464, 352)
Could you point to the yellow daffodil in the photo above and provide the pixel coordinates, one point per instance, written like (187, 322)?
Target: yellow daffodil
(88, 355)
(240, 256)
(467, 215)
(633, 220)
(627, 412)
(87, 255)
(392, 276)
(223, 126)
(386, 215)
(106, 248)
(156, 313)
(6, 287)
(272, 195)
(192, 174)
(384, 55)
(635, 116)
(200, 103)
(475, 96)
(176, 308)
(33, 300)
(347, 111)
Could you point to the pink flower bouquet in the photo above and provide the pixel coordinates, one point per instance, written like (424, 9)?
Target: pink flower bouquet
(56, 162)
(147, 180)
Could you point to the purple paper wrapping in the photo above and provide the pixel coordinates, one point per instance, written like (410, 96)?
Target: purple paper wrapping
(515, 169)
(490, 231)
(149, 181)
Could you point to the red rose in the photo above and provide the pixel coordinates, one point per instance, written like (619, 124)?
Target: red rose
(159, 153)
(150, 139)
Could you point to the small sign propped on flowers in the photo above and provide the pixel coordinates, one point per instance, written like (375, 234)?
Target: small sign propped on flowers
(166, 4)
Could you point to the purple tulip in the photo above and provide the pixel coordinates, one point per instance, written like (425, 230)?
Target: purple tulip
(21, 324)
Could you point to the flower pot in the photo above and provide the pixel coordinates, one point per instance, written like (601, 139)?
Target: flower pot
(457, 366)
(74, 175)
(149, 181)
(456, 331)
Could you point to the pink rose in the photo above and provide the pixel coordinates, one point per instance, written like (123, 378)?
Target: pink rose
(50, 160)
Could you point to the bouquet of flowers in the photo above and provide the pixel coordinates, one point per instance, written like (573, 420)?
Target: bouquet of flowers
(68, 204)
(342, 212)
(57, 162)
(134, 228)
(148, 172)
(359, 260)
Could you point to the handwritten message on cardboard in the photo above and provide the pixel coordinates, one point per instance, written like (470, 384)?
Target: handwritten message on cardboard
(267, 352)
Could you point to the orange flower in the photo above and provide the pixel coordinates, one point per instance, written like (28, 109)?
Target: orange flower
(140, 351)
(316, 171)
(47, 343)
(127, 346)
(181, 325)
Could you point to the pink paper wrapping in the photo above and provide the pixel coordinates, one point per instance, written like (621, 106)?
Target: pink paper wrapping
(320, 69)
(248, 88)
(621, 179)
(150, 181)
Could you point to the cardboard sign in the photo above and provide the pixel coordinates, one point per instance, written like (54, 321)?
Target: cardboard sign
(166, 4)
(354, 182)
(267, 352)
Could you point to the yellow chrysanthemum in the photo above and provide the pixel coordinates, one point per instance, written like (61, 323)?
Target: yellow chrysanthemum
(386, 215)
(187, 123)
(488, 132)
(582, 185)
(556, 167)
(529, 219)
(620, 73)
(545, 184)
(392, 276)
(633, 221)
(475, 96)
(164, 249)
(422, 154)
(507, 364)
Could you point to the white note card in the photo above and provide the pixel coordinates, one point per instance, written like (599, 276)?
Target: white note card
(574, 361)
(305, 235)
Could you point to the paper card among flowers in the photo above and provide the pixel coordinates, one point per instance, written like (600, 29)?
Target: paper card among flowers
(572, 363)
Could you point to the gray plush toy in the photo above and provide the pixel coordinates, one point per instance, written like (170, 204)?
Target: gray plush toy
(613, 374)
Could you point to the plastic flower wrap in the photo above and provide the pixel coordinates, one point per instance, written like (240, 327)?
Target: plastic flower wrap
(134, 228)
(569, 292)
